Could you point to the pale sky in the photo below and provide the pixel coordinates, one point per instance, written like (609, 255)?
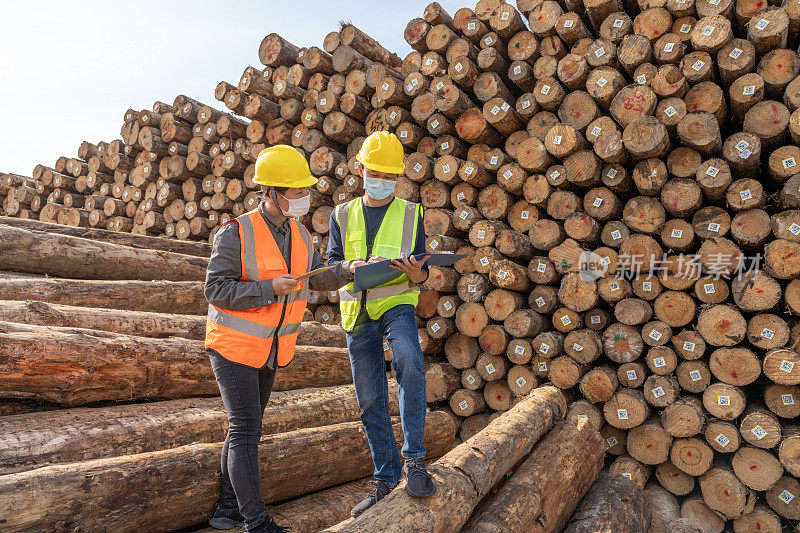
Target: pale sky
(71, 69)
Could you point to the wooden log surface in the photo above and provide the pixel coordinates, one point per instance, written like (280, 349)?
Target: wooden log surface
(467, 473)
(53, 254)
(142, 323)
(84, 433)
(75, 366)
(184, 297)
(544, 490)
(186, 479)
(613, 503)
(115, 237)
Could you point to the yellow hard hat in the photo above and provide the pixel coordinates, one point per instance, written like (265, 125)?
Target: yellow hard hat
(382, 152)
(283, 166)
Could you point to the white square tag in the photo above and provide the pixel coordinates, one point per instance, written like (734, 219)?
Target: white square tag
(713, 226)
(647, 286)
(759, 432)
(786, 497)
(557, 139)
(724, 400)
(712, 171)
(708, 30)
(524, 216)
(490, 368)
(709, 288)
(597, 130)
(517, 69)
(658, 392)
(463, 405)
(545, 89)
(569, 23)
(631, 375)
(655, 335)
(767, 333)
(748, 90)
(698, 65)
(670, 111)
(676, 233)
(685, 28)
(565, 320)
(618, 23)
(669, 47)
(542, 366)
(540, 302)
(658, 362)
(722, 440)
(616, 234)
(787, 399)
(735, 53)
(787, 366)
(622, 414)
(520, 382)
(761, 24)
(600, 52)
(695, 375)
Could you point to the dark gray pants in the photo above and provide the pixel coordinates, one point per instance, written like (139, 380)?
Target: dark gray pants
(245, 392)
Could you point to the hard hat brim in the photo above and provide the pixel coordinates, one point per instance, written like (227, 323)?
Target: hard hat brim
(305, 182)
(383, 168)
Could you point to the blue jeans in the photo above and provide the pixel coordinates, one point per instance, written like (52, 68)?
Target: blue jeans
(245, 392)
(365, 345)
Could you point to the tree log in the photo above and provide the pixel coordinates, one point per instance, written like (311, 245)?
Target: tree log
(81, 434)
(544, 490)
(466, 474)
(23, 250)
(182, 483)
(613, 503)
(84, 366)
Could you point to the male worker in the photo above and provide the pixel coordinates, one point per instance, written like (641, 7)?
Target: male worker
(375, 227)
(256, 306)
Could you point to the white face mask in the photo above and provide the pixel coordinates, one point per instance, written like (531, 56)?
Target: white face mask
(297, 206)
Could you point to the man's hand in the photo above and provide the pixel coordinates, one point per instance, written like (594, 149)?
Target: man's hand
(355, 264)
(411, 267)
(283, 284)
(376, 259)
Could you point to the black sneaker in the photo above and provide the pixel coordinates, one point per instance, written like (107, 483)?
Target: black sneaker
(226, 518)
(269, 526)
(378, 493)
(418, 481)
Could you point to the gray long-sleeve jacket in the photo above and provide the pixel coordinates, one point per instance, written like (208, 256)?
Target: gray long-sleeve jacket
(225, 289)
(223, 286)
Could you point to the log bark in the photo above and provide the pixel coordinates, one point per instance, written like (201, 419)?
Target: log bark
(613, 503)
(182, 483)
(84, 433)
(142, 323)
(544, 490)
(199, 249)
(23, 250)
(75, 366)
(466, 474)
(185, 297)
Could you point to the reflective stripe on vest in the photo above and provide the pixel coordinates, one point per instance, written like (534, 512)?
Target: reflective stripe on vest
(391, 231)
(246, 336)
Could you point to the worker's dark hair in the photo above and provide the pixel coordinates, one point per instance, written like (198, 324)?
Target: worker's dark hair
(279, 190)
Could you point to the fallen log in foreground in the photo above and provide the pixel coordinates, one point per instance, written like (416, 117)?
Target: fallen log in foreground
(311, 513)
(177, 488)
(142, 323)
(74, 366)
(467, 473)
(544, 490)
(613, 503)
(200, 249)
(53, 254)
(184, 297)
(81, 434)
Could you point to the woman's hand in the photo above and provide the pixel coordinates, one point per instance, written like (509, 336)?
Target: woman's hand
(355, 264)
(411, 267)
(283, 284)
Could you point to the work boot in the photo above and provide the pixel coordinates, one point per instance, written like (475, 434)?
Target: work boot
(269, 526)
(418, 481)
(378, 493)
(226, 518)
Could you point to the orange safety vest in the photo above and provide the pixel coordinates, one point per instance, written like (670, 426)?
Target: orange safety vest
(246, 336)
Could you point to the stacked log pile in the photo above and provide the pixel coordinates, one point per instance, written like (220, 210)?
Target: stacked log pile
(610, 169)
(121, 394)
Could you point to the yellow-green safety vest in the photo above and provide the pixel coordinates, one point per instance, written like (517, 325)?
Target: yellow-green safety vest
(396, 234)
